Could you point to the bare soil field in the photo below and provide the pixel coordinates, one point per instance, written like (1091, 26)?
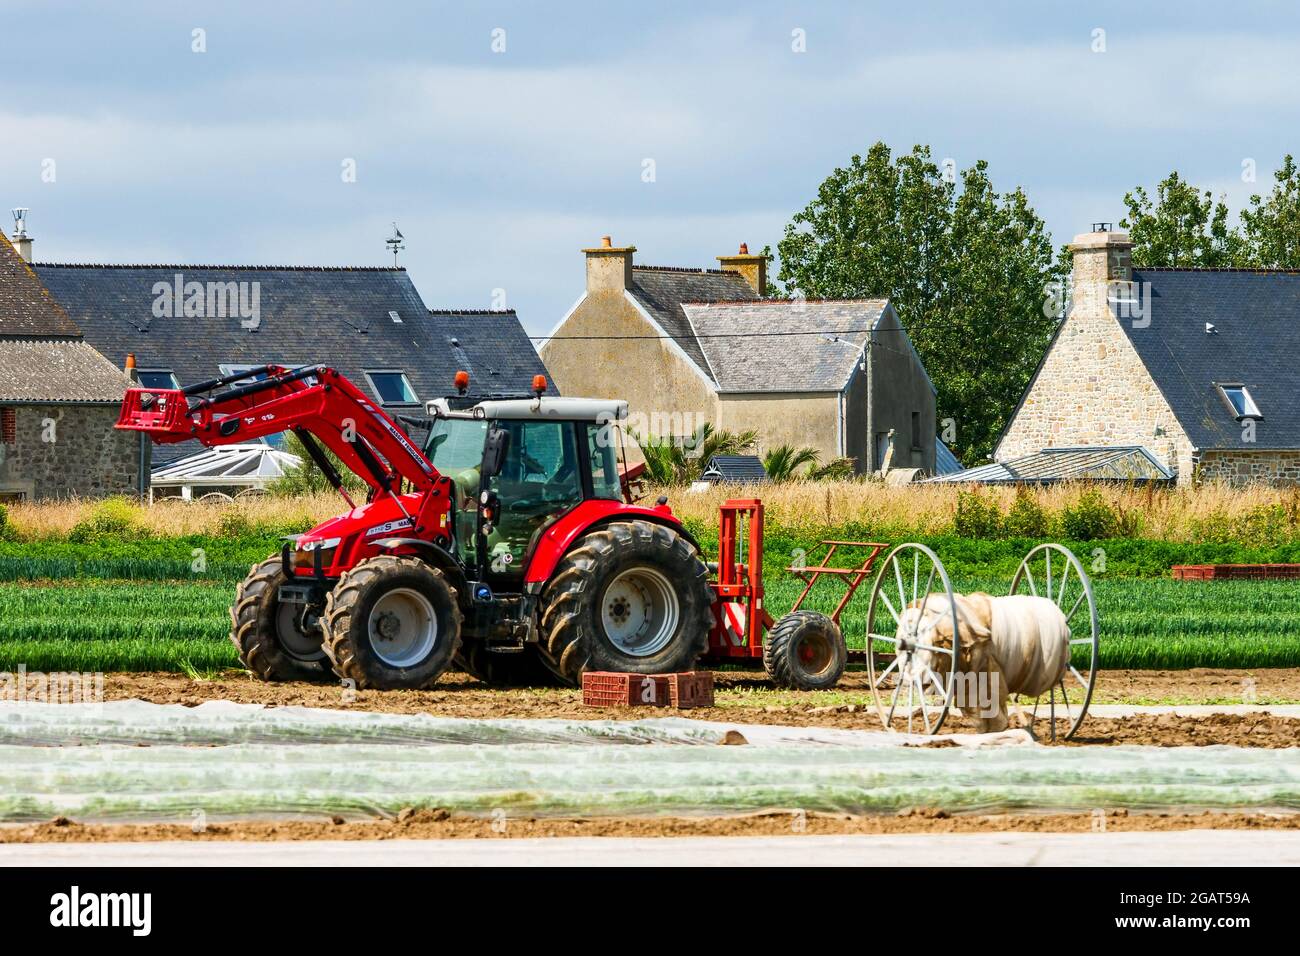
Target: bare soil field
(743, 698)
(748, 698)
(439, 824)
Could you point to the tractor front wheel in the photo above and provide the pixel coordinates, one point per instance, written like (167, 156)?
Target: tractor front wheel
(632, 596)
(805, 651)
(269, 636)
(391, 623)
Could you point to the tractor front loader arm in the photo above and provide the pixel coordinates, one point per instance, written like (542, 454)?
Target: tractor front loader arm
(314, 401)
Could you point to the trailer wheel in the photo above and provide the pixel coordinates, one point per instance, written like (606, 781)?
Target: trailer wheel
(805, 651)
(520, 669)
(267, 634)
(632, 596)
(391, 623)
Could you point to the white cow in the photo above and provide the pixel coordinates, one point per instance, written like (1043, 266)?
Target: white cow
(1016, 644)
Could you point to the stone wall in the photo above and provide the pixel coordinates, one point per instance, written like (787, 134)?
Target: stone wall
(1093, 389)
(1244, 467)
(65, 450)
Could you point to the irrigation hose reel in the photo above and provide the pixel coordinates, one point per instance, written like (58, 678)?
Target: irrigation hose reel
(918, 693)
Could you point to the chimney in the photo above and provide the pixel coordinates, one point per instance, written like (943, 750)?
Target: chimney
(753, 269)
(609, 267)
(129, 368)
(1101, 257)
(22, 241)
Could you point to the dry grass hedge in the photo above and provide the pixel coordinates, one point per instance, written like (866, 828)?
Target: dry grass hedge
(1254, 514)
(1251, 514)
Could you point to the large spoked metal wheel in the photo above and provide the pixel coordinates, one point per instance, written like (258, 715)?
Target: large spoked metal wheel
(913, 668)
(640, 611)
(1052, 571)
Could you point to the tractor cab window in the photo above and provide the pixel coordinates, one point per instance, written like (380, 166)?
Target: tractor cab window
(602, 450)
(542, 459)
(455, 444)
(539, 480)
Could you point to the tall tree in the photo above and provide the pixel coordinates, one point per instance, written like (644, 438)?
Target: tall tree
(1183, 227)
(1272, 226)
(966, 270)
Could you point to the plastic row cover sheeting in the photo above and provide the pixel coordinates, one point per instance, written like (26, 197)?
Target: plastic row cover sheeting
(137, 722)
(558, 767)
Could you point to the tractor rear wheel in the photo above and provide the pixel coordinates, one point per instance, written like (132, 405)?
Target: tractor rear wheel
(269, 635)
(805, 651)
(632, 596)
(391, 623)
(519, 669)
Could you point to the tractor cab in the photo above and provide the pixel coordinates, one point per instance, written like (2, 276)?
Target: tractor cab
(541, 455)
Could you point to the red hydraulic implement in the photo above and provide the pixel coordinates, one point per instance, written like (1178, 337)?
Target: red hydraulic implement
(852, 577)
(740, 620)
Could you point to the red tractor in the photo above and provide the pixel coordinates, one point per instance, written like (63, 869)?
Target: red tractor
(508, 545)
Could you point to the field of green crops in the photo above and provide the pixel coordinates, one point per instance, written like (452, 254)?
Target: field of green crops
(1145, 623)
(88, 624)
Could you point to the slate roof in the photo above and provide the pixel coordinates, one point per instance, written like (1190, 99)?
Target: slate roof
(748, 350)
(26, 307)
(492, 347)
(1118, 463)
(739, 468)
(661, 290)
(334, 316)
(1256, 316)
(43, 357)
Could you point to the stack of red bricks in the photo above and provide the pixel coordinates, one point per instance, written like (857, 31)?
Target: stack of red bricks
(617, 689)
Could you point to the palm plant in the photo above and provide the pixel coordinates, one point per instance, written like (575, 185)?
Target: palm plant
(678, 461)
(783, 462)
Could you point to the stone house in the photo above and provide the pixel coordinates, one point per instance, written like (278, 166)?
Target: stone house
(1199, 367)
(59, 400)
(688, 346)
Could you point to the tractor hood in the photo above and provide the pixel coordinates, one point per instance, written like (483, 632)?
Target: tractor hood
(349, 538)
(380, 518)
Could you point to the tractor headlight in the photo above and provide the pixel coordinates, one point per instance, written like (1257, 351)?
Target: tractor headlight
(304, 555)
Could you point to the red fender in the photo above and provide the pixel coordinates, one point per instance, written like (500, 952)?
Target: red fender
(556, 541)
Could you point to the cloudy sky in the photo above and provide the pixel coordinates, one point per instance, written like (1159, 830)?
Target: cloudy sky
(498, 165)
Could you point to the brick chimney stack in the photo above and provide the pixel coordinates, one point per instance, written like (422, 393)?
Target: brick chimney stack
(609, 267)
(753, 269)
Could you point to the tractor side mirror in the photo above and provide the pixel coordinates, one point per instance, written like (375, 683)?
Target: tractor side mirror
(494, 454)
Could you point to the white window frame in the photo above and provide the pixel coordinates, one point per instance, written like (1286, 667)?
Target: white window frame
(406, 380)
(1250, 409)
(158, 371)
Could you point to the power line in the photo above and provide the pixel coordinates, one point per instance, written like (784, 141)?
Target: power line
(710, 335)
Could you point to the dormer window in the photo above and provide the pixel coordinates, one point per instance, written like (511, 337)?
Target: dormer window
(392, 387)
(160, 378)
(1240, 401)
